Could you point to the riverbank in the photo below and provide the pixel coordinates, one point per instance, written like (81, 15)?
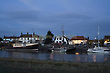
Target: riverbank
(11, 65)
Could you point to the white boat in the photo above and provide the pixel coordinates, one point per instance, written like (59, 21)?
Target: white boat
(98, 49)
(24, 46)
(60, 50)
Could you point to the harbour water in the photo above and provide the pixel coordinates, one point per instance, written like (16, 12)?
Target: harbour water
(91, 57)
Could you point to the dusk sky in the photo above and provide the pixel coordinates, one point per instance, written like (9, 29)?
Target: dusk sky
(79, 17)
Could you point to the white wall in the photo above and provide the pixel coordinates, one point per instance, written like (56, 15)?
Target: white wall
(60, 39)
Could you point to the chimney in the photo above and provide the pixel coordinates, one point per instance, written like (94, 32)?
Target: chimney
(27, 33)
(88, 38)
(33, 33)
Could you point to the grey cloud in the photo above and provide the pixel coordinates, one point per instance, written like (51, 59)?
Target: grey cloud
(23, 15)
(41, 21)
(73, 16)
(34, 16)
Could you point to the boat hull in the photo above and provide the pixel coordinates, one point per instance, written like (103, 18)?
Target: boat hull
(35, 47)
(98, 50)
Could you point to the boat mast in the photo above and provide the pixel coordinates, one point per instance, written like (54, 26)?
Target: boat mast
(63, 30)
(98, 35)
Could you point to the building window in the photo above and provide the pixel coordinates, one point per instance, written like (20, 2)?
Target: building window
(60, 42)
(60, 38)
(64, 42)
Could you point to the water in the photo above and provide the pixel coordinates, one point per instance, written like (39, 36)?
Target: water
(57, 57)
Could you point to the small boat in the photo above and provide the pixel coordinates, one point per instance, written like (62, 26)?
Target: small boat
(60, 50)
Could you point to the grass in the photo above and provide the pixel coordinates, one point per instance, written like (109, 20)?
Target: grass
(8, 65)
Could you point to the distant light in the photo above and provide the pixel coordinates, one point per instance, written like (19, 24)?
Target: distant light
(76, 53)
(105, 41)
(52, 50)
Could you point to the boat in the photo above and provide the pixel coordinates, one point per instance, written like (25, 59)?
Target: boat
(36, 47)
(60, 50)
(25, 45)
(98, 49)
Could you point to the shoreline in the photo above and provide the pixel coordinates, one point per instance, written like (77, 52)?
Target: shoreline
(40, 66)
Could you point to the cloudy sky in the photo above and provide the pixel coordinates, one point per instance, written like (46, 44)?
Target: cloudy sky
(79, 17)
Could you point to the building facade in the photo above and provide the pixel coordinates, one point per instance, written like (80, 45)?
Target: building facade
(76, 40)
(29, 38)
(24, 38)
(61, 40)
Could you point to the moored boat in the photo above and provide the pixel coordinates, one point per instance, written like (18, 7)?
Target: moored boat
(61, 50)
(99, 50)
(25, 46)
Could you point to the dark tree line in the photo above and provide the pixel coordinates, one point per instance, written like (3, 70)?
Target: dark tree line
(1, 39)
(49, 37)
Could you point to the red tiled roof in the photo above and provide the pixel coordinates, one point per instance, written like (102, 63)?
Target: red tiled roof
(11, 37)
(79, 38)
(26, 35)
(22, 35)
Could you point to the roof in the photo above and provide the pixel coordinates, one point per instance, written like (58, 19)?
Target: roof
(26, 35)
(22, 35)
(29, 35)
(79, 38)
(61, 37)
(11, 37)
(66, 37)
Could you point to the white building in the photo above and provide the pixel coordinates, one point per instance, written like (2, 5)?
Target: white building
(29, 38)
(61, 40)
(24, 38)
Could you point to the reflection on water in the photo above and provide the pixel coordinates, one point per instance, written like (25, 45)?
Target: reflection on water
(94, 58)
(58, 57)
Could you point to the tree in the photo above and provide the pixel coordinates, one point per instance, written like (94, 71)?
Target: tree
(1, 39)
(102, 42)
(49, 37)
